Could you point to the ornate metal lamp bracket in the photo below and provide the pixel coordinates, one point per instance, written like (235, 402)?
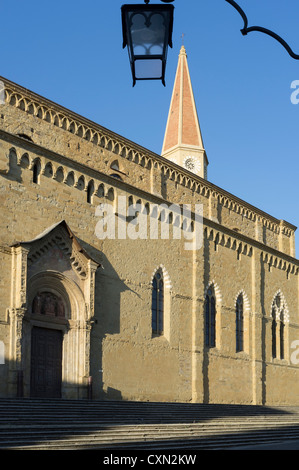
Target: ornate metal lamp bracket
(245, 30)
(164, 1)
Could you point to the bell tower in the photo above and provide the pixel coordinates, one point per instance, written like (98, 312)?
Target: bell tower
(183, 142)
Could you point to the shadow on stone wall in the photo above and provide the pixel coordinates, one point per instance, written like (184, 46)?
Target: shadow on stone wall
(205, 372)
(108, 290)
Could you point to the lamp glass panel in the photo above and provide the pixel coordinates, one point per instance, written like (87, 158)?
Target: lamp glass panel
(148, 68)
(148, 30)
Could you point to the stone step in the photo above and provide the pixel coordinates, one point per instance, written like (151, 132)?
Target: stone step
(152, 406)
(202, 444)
(144, 443)
(133, 412)
(142, 405)
(21, 420)
(136, 434)
(72, 424)
(145, 407)
(114, 416)
(13, 427)
(32, 432)
(22, 416)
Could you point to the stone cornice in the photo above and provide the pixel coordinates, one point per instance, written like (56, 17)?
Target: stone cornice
(61, 117)
(264, 249)
(75, 165)
(218, 228)
(5, 249)
(140, 193)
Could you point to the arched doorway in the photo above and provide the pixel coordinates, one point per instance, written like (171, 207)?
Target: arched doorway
(58, 335)
(51, 312)
(47, 343)
(46, 363)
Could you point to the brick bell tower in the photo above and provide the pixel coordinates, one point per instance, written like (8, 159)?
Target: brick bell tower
(183, 142)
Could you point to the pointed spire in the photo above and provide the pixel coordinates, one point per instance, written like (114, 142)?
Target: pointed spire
(183, 140)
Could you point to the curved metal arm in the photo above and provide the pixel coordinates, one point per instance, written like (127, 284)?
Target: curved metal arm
(164, 1)
(247, 30)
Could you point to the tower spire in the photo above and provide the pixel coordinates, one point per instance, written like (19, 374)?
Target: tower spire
(183, 141)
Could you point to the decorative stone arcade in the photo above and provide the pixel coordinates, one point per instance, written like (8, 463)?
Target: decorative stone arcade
(53, 288)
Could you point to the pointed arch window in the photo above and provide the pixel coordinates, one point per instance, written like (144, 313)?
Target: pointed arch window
(210, 318)
(281, 335)
(158, 304)
(240, 324)
(90, 191)
(36, 172)
(274, 327)
(278, 328)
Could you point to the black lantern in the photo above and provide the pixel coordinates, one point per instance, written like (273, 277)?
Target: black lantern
(147, 31)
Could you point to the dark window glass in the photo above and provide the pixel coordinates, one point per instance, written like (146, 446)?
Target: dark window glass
(158, 304)
(273, 334)
(36, 172)
(161, 303)
(207, 321)
(154, 305)
(213, 322)
(90, 191)
(210, 319)
(281, 340)
(281, 332)
(239, 324)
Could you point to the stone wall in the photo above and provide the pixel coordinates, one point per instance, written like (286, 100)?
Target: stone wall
(244, 250)
(85, 142)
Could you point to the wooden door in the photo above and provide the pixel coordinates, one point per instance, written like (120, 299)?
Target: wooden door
(46, 363)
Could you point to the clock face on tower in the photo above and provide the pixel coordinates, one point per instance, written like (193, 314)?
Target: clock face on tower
(192, 164)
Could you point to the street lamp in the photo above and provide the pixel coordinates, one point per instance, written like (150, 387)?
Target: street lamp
(147, 31)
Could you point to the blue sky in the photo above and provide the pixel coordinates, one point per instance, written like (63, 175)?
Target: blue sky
(71, 52)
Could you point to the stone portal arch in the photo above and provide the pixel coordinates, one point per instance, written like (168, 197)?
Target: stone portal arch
(57, 303)
(53, 289)
(60, 286)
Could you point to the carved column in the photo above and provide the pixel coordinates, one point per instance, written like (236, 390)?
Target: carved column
(90, 288)
(86, 332)
(16, 317)
(86, 326)
(213, 207)
(17, 313)
(19, 277)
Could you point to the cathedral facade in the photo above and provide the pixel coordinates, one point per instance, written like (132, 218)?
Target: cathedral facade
(128, 275)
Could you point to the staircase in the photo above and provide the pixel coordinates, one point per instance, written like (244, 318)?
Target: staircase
(37, 424)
